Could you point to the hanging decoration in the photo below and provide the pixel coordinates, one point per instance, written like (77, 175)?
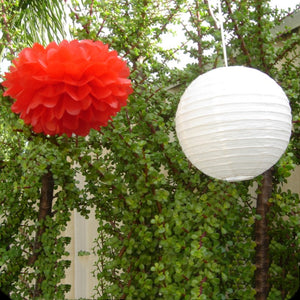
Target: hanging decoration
(233, 123)
(69, 87)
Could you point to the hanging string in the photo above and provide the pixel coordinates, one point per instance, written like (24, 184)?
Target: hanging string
(219, 22)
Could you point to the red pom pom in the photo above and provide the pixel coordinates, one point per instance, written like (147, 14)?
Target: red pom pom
(68, 88)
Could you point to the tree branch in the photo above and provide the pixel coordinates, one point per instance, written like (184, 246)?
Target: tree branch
(260, 13)
(262, 239)
(237, 31)
(45, 209)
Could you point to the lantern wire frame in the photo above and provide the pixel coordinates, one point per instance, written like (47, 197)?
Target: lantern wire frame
(219, 22)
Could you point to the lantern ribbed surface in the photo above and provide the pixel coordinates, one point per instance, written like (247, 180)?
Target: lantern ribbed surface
(233, 123)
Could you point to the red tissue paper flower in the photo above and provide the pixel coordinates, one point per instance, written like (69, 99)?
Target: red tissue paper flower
(68, 88)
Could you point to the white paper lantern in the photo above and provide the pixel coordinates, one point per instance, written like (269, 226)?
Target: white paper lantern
(233, 123)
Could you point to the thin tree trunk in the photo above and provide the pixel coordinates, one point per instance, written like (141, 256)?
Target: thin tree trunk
(262, 239)
(45, 210)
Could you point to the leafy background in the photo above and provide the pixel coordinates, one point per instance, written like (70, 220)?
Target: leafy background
(165, 229)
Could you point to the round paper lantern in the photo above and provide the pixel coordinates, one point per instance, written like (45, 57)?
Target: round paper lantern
(233, 123)
(68, 88)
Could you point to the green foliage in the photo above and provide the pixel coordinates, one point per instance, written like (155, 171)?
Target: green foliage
(25, 159)
(284, 250)
(165, 229)
(25, 22)
(42, 21)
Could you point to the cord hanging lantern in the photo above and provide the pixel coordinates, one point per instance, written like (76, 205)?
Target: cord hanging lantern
(233, 123)
(68, 88)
